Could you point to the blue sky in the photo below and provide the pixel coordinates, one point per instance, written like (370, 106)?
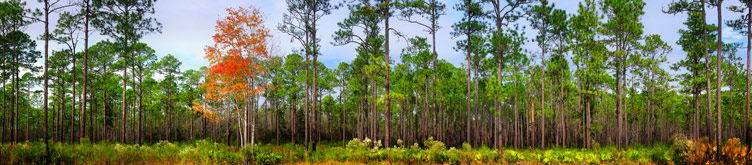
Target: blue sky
(189, 25)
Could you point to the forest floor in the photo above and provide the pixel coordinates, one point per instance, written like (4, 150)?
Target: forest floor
(355, 152)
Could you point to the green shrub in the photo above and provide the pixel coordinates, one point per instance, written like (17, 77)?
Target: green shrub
(660, 156)
(27, 152)
(485, 154)
(606, 157)
(356, 145)
(633, 155)
(512, 156)
(267, 158)
(435, 150)
(466, 146)
(681, 147)
(433, 145)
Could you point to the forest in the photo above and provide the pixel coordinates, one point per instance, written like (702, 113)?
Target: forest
(595, 88)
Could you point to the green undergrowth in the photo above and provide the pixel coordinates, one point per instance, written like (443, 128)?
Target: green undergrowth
(355, 151)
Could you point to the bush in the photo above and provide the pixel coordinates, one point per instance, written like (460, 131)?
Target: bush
(660, 156)
(433, 145)
(267, 158)
(704, 151)
(733, 152)
(511, 156)
(435, 150)
(356, 145)
(27, 152)
(681, 147)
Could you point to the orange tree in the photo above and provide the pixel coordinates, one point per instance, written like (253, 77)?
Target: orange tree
(235, 67)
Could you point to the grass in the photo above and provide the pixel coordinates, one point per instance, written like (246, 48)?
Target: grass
(355, 152)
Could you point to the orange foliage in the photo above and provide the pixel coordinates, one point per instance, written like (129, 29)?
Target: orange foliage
(202, 110)
(240, 47)
(704, 152)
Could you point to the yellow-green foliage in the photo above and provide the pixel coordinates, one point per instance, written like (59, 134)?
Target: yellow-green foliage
(356, 150)
(106, 152)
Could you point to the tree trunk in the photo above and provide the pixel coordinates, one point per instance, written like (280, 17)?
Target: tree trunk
(749, 55)
(386, 84)
(543, 96)
(308, 95)
(467, 49)
(46, 66)
(104, 105)
(718, 137)
(141, 110)
(73, 102)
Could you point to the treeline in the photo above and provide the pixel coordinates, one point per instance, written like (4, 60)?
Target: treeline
(595, 78)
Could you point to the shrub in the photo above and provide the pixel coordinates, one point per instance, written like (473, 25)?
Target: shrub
(27, 152)
(433, 145)
(660, 156)
(733, 152)
(511, 156)
(681, 147)
(356, 145)
(704, 151)
(267, 158)
(606, 157)
(435, 150)
(466, 146)
(485, 154)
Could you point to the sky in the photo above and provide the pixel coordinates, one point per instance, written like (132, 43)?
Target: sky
(189, 24)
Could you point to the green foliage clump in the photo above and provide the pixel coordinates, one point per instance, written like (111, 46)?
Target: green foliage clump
(356, 144)
(660, 156)
(267, 158)
(682, 147)
(512, 156)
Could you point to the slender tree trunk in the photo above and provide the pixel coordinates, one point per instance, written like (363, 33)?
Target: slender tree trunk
(73, 102)
(749, 55)
(168, 128)
(543, 96)
(467, 49)
(517, 123)
(125, 102)
(344, 111)
(718, 137)
(28, 112)
(15, 100)
(141, 110)
(314, 126)
(227, 129)
(46, 66)
(61, 116)
(293, 119)
(434, 23)
(477, 114)
(308, 95)
(386, 84)
(5, 125)
(708, 121)
(104, 105)
(86, 68)
(3, 119)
